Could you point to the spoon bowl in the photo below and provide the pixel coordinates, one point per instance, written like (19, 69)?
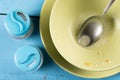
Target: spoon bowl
(92, 28)
(91, 31)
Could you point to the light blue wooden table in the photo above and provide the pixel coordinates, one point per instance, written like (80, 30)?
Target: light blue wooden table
(8, 46)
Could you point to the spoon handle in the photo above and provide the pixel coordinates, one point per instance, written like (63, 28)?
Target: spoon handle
(108, 6)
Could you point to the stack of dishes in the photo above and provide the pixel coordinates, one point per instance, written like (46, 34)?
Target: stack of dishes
(60, 21)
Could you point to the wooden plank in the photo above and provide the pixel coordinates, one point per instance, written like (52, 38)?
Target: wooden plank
(31, 7)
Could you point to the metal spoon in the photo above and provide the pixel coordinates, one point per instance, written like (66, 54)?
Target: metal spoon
(92, 28)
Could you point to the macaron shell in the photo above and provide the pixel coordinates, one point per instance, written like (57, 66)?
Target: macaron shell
(28, 58)
(15, 24)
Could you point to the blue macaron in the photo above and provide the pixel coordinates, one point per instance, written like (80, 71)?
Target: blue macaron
(18, 24)
(28, 58)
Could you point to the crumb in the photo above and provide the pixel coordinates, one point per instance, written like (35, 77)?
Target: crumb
(107, 61)
(88, 64)
(99, 52)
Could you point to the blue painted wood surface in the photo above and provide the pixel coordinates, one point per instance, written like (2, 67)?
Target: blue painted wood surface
(49, 70)
(8, 46)
(31, 7)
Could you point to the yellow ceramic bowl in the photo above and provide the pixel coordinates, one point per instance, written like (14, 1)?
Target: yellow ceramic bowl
(54, 54)
(66, 19)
